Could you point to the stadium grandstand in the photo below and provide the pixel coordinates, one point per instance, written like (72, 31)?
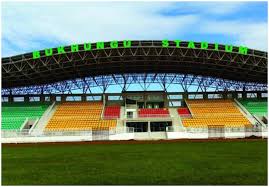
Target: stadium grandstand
(64, 94)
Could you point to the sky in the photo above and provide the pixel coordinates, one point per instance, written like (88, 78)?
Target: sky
(30, 26)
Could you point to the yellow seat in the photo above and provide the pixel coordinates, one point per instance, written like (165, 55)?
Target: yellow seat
(79, 116)
(214, 113)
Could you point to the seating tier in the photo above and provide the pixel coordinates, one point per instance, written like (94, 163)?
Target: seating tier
(214, 113)
(153, 112)
(183, 112)
(255, 106)
(14, 114)
(79, 116)
(112, 112)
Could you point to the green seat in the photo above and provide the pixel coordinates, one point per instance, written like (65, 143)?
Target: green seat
(255, 106)
(14, 114)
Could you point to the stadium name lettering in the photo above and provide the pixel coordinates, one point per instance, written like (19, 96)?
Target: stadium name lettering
(127, 44)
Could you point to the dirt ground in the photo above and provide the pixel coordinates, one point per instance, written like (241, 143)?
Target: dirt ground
(136, 141)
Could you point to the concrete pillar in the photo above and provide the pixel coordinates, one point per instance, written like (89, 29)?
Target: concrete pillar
(244, 95)
(145, 100)
(63, 98)
(149, 126)
(185, 95)
(10, 98)
(26, 99)
(105, 99)
(259, 95)
(166, 101)
(42, 98)
(52, 98)
(83, 98)
(205, 96)
(224, 95)
(234, 95)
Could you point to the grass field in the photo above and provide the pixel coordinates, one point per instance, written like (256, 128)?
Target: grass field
(203, 163)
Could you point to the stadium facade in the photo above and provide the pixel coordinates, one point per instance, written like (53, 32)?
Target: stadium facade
(48, 95)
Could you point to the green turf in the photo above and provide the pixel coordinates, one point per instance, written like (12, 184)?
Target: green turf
(164, 163)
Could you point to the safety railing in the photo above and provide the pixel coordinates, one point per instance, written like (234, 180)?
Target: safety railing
(153, 116)
(120, 130)
(50, 133)
(68, 133)
(197, 130)
(15, 133)
(205, 129)
(175, 128)
(26, 133)
(212, 115)
(234, 129)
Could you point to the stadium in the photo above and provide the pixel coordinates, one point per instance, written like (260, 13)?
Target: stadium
(62, 95)
(38, 98)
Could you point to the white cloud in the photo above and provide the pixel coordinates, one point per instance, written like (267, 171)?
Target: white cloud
(214, 8)
(26, 24)
(223, 7)
(88, 22)
(253, 35)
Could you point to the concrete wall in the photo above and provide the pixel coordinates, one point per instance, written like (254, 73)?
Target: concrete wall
(122, 136)
(265, 134)
(186, 135)
(235, 135)
(130, 136)
(46, 139)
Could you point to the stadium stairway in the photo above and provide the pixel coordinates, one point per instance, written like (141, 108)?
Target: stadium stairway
(120, 121)
(176, 119)
(252, 118)
(122, 110)
(40, 126)
(188, 106)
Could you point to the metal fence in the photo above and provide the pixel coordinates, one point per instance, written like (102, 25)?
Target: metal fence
(27, 133)
(154, 116)
(120, 130)
(211, 115)
(67, 133)
(96, 134)
(100, 135)
(225, 132)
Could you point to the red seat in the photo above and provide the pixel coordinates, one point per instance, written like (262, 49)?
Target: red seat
(112, 112)
(183, 111)
(153, 112)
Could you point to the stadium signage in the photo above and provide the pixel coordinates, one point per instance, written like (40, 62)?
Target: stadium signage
(128, 43)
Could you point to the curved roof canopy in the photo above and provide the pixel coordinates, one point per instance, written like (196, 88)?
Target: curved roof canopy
(120, 57)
